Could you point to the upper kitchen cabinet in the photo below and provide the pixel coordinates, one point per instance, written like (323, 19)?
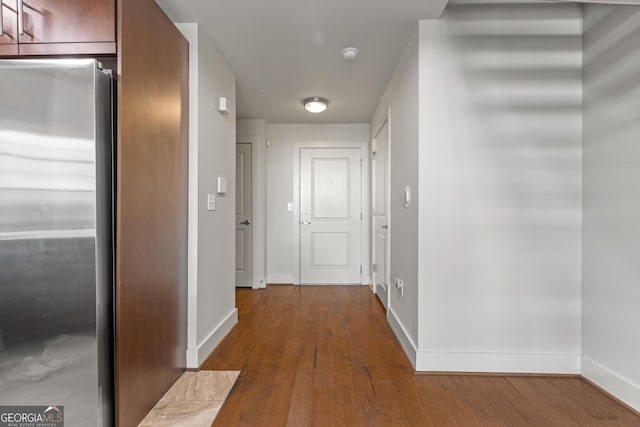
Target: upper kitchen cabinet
(59, 27)
(8, 28)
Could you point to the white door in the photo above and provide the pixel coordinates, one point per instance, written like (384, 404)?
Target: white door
(243, 215)
(380, 202)
(330, 215)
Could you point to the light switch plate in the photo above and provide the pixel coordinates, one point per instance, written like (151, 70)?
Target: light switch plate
(290, 207)
(222, 185)
(211, 202)
(224, 105)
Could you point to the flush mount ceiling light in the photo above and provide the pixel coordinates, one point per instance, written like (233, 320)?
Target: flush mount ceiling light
(315, 104)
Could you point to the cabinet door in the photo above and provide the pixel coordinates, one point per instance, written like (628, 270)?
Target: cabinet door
(9, 38)
(53, 27)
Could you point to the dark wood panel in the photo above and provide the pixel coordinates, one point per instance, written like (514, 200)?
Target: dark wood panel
(49, 49)
(68, 21)
(151, 258)
(325, 355)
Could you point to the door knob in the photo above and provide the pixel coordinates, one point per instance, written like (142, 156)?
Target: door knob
(305, 222)
(384, 227)
(245, 222)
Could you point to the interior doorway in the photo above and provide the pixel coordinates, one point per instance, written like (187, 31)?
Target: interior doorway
(380, 213)
(330, 215)
(244, 216)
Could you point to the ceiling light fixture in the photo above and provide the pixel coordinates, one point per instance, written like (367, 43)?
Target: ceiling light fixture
(315, 104)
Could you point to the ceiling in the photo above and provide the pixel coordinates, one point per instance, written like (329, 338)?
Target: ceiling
(290, 49)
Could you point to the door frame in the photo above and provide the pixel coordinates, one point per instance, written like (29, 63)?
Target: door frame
(365, 276)
(258, 210)
(385, 121)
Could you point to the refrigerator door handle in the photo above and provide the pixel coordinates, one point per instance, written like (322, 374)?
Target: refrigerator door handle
(20, 17)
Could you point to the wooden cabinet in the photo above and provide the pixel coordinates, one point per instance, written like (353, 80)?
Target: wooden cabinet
(59, 27)
(9, 38)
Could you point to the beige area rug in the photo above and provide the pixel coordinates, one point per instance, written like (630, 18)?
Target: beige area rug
(193, 401)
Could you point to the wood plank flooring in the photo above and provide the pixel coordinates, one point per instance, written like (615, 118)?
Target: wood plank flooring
(325, 356)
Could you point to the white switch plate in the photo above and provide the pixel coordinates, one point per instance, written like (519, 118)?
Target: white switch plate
(290, 207)
(222, 185)
(224, 105)
(400, 285)
(211, 202)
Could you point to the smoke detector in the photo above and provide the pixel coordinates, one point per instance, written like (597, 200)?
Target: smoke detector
(350, 54)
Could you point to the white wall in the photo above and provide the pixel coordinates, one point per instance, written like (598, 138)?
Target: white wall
(282, 139)
(400, 102)
(212, 142)
(611, 292)
(500, 189)
(254, 131)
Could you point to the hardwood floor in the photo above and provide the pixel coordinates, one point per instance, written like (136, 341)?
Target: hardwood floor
(325, 356)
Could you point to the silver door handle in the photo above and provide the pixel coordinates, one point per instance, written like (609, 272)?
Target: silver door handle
(305, 222)
(384, 227)
(20, 17)
(245, 222)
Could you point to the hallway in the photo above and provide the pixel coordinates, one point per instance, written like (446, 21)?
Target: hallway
(325, 355)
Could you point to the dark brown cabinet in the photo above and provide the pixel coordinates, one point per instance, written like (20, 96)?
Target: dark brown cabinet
(9, 18)
(58, 27)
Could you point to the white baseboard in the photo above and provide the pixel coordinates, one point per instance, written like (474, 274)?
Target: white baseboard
(401, 333)
(381, 293)
(498, 362)
(611, 382)
(280, 278)
(382, 298)
(195, 356)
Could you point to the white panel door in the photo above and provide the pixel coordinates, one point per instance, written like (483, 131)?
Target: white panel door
(380, 202)
(243, 215)
(330, 215)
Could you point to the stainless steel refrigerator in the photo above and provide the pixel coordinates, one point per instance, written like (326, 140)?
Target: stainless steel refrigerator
(56, 237)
